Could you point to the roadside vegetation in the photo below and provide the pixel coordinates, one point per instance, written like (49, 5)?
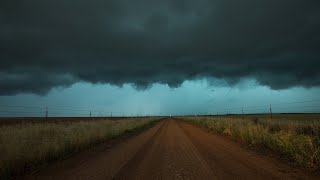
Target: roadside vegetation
(294, 138)
(28, 145)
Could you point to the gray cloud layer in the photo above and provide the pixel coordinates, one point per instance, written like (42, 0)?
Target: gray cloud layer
(45, 43)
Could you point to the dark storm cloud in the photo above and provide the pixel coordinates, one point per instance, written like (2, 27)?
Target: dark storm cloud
(46, 44)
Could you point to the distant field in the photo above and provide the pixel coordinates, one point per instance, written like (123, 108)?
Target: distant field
(10, 121)
(283, 116)
(26, 143)
(293, 137)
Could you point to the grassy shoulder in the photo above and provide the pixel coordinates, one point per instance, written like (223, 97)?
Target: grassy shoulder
(296, 141)
(27, 146)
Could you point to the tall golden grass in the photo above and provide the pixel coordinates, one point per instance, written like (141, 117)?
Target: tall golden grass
(295, 140)
(29, 145)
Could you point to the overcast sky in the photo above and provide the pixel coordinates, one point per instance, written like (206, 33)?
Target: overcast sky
(148, 57)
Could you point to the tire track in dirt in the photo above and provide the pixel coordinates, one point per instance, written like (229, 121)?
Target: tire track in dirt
(170, 156)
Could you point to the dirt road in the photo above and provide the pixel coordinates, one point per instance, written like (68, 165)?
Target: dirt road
(170, 150)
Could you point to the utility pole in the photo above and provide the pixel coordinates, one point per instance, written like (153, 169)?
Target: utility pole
(270, 111)
(242, 114)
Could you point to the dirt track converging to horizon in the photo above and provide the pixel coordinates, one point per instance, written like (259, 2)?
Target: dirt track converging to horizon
(170, 150)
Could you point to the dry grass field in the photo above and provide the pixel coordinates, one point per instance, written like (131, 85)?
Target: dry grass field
(292, 137)
(174, 148)
(28, 145)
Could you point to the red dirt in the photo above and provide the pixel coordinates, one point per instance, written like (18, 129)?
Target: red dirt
(170, 150)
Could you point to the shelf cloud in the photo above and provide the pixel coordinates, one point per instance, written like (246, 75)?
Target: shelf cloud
(46, 44)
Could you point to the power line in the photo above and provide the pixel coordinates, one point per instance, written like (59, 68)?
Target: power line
(31, 107)
(297, 107)
(56, 108)
(53, 111)
(267, 105)
(22, 112)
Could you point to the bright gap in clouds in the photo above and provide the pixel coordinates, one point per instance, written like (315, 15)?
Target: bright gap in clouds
(192, 97)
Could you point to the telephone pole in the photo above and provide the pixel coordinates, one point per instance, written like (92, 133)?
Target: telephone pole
(242, 114)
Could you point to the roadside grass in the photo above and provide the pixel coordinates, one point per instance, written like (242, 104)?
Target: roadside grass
(296, 141)
(27, 146)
